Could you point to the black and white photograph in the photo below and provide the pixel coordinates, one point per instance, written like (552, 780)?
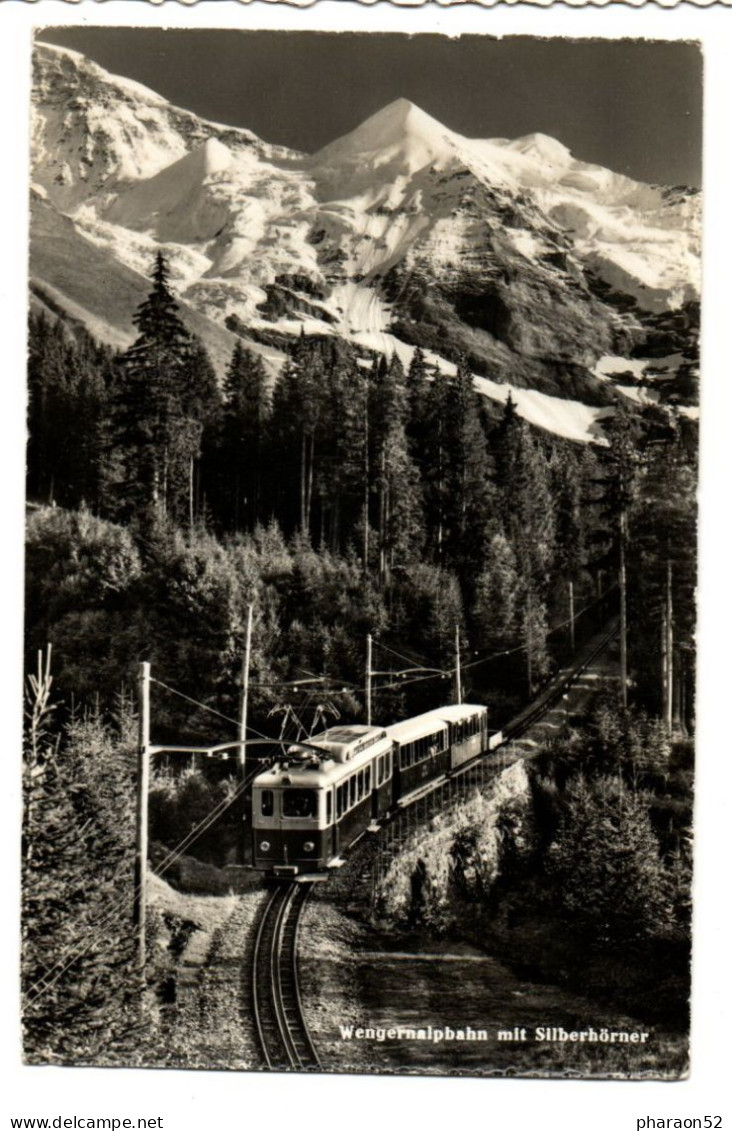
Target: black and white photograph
(360, 657)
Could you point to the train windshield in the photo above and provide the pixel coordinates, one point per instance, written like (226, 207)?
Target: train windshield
(300, 803)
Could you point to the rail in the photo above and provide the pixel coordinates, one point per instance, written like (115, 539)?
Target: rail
(546, 700)
(282, 1031)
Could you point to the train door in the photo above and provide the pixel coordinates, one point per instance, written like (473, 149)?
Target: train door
(377, 777)
(331, 838)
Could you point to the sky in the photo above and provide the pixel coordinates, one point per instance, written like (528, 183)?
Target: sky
(633, 106)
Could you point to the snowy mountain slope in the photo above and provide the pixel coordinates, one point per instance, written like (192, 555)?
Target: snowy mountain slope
(92, 130)
(402, 230)
(103, 294)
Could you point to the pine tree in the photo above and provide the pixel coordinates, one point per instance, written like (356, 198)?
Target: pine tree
(435, 474)
(663, 525)
(297, 407)
(70, 380)
(606, 862)
(418, 376)
(470, 495)
(570, 528)
(527, 509)
(243, 439)
(621, 462)
(159, 403)
(399, 521)
(498, 596)
(80, 989)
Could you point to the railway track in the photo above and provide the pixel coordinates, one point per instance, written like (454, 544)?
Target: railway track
(546, 700)
(282, 1032)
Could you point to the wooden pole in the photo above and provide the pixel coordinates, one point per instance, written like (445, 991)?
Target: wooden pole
(458, 679)
(664, 661)
(368, 679)
(191, 480)
(669, 645)
(143, 785)
(623, 617)
(366, 475)
(243, 716)
(529, 645)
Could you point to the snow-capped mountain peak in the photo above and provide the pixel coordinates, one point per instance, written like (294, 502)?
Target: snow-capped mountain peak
(400, 232)
(400, 125)
(93, 131)
(542, 148)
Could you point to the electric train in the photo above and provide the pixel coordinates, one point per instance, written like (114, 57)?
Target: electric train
(314, 802)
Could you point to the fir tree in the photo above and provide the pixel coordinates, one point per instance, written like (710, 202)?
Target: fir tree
(606, 862)
(69, 383)
(164, 394)
(81, 993)
(243, 435)
(468, 480)
(396, 479)
(435, 475)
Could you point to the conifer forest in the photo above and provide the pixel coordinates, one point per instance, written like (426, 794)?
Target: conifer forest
(347, 497)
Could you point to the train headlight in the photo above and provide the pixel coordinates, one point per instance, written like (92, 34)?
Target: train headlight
(264, 846)
(309, 846)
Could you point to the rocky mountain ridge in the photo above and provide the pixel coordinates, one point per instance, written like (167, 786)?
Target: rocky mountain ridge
(399, 233)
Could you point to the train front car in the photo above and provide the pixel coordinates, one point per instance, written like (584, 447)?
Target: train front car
(468, 727)
(313, 803)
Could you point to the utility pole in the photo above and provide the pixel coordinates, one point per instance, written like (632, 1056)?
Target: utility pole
(664, 660)
(366, 473)
(669, 717)
(623, 617)
(191, 492)
(242, 754)
(458, 680)
(368, 679)
(529, 644)
(571, 616)
(143, 784)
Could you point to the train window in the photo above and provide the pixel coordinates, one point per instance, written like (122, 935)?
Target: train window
(328, 807)
(267, 802)
(380, 770)
(352, 790)
(388, 764)
(367, 779)
(299, 803)
(342, 799)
